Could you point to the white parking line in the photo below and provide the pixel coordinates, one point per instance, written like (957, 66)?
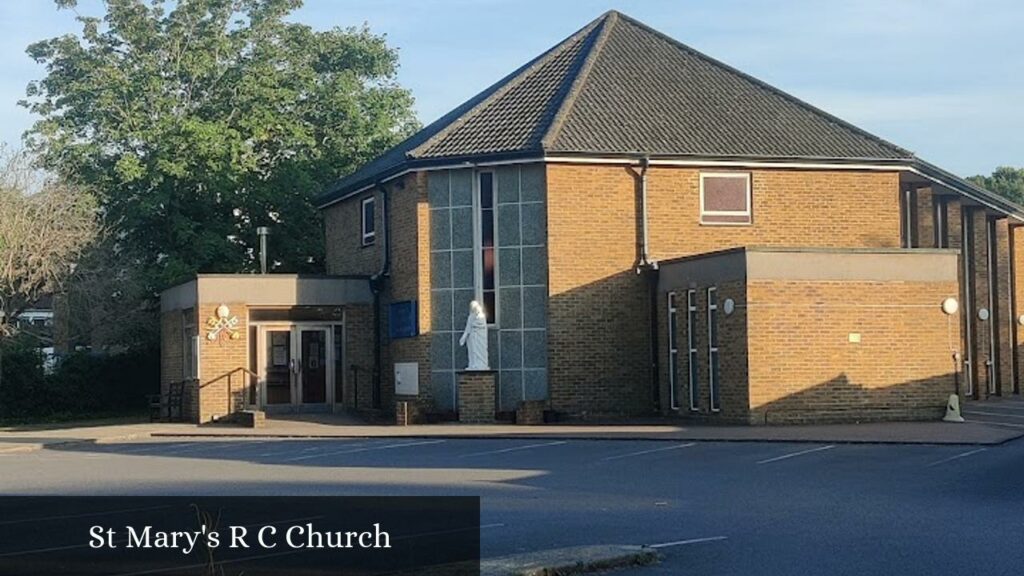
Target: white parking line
(149, 447)
(515, 449)
(795, 454)
(652, 451)
(987, 413)
(367, 449)
(685, 542)
(293, 450)
(996, 423)
(957, 457)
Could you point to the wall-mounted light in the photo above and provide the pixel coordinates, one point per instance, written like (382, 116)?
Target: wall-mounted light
(728, 306)
(983, 314)
(950, 306)
(1021, 320)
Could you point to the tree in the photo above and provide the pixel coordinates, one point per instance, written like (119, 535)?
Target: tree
(42, 236)
(45, 226)
(1005, 181)
(198, 123)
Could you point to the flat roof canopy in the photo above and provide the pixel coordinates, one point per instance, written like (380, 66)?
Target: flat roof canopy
(267, 290)
(811, 264)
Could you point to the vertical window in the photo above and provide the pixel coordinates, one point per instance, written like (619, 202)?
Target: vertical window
(941, 221)
(725, 198)
(713, 349)
(967, 258)
(189, 345)
(485, 205)
(673, 351)
(908, 218)
(691, 344)
(369, 226)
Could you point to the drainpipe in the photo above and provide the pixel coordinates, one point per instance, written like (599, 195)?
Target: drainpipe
(649, 269)
(645, 163)
(377, 284)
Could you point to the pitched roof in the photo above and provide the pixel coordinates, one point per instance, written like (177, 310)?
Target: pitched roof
(618, 87)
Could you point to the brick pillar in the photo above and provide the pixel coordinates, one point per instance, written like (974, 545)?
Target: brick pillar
(476, 396)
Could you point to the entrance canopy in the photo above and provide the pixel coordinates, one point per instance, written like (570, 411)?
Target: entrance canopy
(276, 342)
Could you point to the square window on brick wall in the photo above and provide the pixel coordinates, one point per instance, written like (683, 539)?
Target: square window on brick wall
(725, 198)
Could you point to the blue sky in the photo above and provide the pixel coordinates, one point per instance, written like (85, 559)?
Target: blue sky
(939, 77)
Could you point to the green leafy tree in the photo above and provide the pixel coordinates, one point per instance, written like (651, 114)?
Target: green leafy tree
(1005, 181)
(198, 120)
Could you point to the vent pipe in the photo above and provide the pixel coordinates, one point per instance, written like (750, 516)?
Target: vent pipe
(262, 232)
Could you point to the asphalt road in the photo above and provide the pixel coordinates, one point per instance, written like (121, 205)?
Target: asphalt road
(712, 508)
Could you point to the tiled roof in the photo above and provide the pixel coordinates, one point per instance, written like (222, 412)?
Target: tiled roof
(620, 87)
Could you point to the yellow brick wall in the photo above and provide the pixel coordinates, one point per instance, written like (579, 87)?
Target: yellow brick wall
(732, 346)
(344, 252)
(409, 279)
(599, 310)
(220, 364)
(804, 367)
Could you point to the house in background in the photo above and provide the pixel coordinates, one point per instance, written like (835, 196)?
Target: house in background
(651, 231)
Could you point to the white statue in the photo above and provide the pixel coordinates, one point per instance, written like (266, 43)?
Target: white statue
(475, 335)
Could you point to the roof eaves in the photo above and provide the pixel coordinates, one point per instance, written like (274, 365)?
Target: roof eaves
(553, 154)
(969, 189)
(411, 164)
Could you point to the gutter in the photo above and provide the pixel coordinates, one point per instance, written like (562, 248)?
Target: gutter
(378, 283)
(649, 269)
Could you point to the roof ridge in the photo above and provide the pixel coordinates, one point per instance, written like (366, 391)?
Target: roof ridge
(608, 21)
(764, 85)
(502, 86)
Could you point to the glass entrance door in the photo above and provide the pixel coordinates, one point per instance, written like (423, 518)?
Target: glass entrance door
(313, 352)
(278, 367)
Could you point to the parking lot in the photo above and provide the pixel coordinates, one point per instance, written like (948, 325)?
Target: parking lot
(711, 507)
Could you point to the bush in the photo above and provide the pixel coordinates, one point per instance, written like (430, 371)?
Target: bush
(84, 384)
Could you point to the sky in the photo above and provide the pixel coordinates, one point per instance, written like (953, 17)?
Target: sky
(939, 77)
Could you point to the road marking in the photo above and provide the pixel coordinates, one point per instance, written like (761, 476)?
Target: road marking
(986, 413)
(367, 449)
(957, 457)
(795, 454)
(515, 449)
(293, 450)
(200, 447)
(685, 542)
(996, 423)
(148, 447)
(652, 451)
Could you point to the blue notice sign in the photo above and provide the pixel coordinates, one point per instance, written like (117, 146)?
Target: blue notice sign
(403, 320)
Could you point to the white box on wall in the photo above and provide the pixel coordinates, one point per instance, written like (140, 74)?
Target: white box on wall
(407, 378)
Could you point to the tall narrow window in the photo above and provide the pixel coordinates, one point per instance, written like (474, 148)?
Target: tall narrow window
(941, 221)
(967, 258)
(486, 286)
(725, 198)
(189, 345)
(673, 351)
(691, 344)
(369, 226)
(713, 349)
(991, 249)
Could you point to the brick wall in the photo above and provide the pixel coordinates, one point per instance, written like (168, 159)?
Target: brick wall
(804, 367)
(220, 365)
(732, 350)
(344, 252)
(357, 385)
(409, 280)
(599, 309)
(476, 397)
